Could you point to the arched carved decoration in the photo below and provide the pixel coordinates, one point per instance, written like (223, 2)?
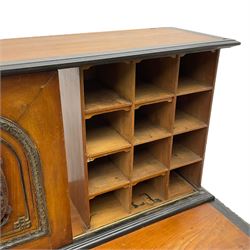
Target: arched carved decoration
(32, 220)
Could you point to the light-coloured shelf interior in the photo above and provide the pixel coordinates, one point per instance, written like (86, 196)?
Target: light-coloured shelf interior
(146, 196)
(148, 93)
(105, 209)
(104, 140)
(146, 131)
(146, 166)
(101, 99)
(104, 176)
(188, 85)
(178, 186)
(182, 156)
(185, 123)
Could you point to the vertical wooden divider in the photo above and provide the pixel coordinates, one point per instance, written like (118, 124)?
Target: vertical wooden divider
(75, 138)
(212, 74)
(132, 77)
(175, 79)
(207, 74)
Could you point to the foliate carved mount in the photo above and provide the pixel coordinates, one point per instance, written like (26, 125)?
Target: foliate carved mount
(33, 158)
(4, 199)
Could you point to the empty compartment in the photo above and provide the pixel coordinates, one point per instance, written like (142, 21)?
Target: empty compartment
(109, 173)
(149, 193)
(153, 122)
(108, 87)
(155, 80)
(178, 185)
(150, 160)
(197, 72)
(188, 148)
(192, 112)
(108, 133)
(110, 207)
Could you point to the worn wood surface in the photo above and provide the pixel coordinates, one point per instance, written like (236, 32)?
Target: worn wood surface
(96, 43)
(203, 227)
(33, 102)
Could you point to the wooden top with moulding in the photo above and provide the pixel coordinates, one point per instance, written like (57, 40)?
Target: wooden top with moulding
(33, 53)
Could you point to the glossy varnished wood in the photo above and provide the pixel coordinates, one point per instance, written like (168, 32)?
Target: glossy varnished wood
(203, 227)
(96, 43)
(144, 75)
(33, 102)
(70, 91)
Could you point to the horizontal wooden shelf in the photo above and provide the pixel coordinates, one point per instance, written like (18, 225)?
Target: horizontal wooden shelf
(182, 156)
(99, 99)
(104, 177)
(178, 186)
(188, 85)
(104, 140)
(147, 93)
(145, 131)
(146, 166)
(105, 209)
(185, 123)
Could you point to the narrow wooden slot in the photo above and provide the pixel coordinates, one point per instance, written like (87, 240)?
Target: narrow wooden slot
(108, 133)
(110, 207)
(197, 72)
(178, 186)
(153, 122)
(99, 99)
(147, 93)
(185, 123)
(188, 148)
(155, 80)
(192, 173)
(105, 176)
(182, 156)
(146, 166)
(150, 160)
(192, 112)
(188, 85)
(108, 87)
(149, 193)
(145, 131)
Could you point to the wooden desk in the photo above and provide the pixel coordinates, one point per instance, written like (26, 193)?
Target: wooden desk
(204, 227)
(102, 133)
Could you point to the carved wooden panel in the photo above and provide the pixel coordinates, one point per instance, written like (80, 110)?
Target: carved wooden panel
(25, 213)
(33, 164)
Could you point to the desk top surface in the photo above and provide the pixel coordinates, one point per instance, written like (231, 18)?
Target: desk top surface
(68, 50)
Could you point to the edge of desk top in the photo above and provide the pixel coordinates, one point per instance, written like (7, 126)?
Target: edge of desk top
(61, 51)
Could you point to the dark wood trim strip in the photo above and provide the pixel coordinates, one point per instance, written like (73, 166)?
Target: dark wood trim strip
(75, 61)
(113, 231)
(234, 218)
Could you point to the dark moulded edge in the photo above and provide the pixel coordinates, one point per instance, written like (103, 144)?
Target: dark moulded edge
(123, 227)
(78, 60)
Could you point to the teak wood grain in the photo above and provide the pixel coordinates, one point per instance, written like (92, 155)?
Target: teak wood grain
(51, 47)
(70, 90)
(135, 107)
(33, 102)
(203, 227)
